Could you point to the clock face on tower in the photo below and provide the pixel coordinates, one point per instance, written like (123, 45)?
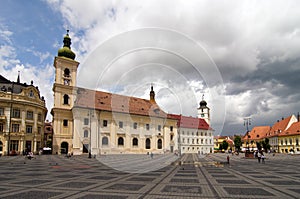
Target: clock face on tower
(66, 82)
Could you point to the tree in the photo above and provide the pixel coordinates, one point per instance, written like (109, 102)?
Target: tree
(258, 145)
(237, 142)
(265, 144)
(225, 145)
(221, 147)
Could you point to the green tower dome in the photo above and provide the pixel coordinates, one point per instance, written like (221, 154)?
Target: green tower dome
(66, 51)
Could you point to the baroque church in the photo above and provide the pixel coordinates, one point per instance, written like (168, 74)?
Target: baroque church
(97, 122)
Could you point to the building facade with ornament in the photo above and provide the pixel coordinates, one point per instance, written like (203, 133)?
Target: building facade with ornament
(22, 116)
(97, 122)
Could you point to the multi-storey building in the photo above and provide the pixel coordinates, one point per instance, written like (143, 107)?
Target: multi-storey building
(22, 115)
(96, 122)
(99, 122)
(195, 135)
(277, 128)
(257, 134)
(288, 140)
(283, 136)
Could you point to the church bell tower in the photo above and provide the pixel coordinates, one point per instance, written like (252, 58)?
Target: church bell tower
(203, 111)
(64, 95)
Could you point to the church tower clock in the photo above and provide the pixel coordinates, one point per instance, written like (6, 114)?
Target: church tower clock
(203, 111)
(64, 95)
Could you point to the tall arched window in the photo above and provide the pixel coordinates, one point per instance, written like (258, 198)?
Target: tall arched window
(148, 143)
(66, 99)
(135, 142)
(120, 141)
(159, 144)
(85, 133)
(104, 141)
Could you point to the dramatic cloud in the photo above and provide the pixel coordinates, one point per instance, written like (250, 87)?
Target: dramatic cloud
(254, 44)
(246, 61)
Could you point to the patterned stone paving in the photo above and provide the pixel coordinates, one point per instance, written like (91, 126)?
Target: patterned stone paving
(54, 176)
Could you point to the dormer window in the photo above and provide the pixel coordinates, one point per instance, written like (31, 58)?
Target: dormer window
(31, 94)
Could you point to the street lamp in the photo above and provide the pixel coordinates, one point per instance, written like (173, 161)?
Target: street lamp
(247, 123)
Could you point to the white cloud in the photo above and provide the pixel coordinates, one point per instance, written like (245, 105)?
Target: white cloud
(43, 77)
(241, 37)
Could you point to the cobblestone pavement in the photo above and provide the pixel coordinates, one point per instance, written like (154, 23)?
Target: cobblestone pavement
(54, 176)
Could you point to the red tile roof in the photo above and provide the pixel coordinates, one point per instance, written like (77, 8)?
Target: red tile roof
(257, 133)
(294, 129)
(105, 101)
(280, 126)
(190, 122)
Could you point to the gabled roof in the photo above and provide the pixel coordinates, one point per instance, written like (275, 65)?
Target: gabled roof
(294, 129)
(190, 122)
(105, 101)
(4, 80)
(257, 133)
(282, 125)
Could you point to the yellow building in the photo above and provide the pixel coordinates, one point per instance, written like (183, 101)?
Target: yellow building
(22, 115)
(218, 141)
(96, 122)
(288, 140)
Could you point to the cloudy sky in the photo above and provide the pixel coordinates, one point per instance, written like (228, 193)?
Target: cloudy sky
(242, 55)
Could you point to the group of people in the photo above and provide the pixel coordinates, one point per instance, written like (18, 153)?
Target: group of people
(260, 156)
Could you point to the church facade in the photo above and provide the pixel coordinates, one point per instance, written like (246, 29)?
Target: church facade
(97, 122)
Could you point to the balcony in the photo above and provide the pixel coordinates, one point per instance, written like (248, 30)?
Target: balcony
(2, 117)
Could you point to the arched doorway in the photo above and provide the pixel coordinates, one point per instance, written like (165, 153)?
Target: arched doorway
(64, 148)
(148, 143)
(120, 141)
(1, 148)
(159, 144)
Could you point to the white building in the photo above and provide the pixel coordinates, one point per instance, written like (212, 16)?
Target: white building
(99, 122)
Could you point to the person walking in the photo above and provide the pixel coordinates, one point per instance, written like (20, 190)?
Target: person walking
(228, 158)
(258, 156)
(263, 157)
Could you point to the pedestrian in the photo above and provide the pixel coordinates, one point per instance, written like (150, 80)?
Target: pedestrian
(263, 157)
(258, 156)
(151, 155)
(228, 159)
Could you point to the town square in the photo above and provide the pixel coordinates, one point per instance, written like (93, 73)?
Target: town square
(149, 99)
(52, 176)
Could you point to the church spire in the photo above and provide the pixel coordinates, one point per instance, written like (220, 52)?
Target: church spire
(66, 51)
(18, 79)
(152, 95)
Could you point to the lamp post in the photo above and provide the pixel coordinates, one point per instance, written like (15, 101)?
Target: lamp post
(247, 123)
